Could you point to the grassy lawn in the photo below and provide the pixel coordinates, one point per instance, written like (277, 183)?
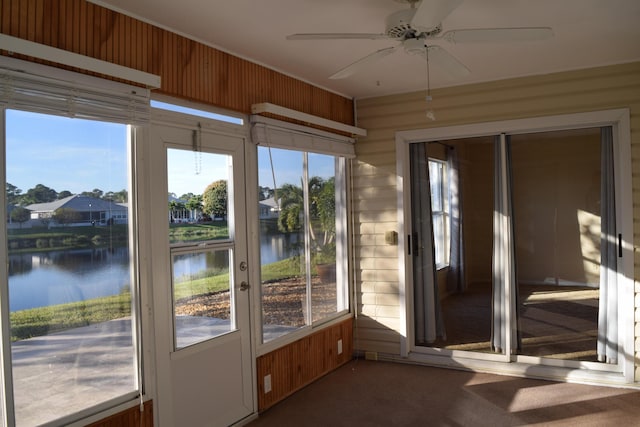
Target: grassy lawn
(46, 320)
(198, 232)
(220, 282)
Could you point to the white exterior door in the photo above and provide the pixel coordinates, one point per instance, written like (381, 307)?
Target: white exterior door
(201, 294)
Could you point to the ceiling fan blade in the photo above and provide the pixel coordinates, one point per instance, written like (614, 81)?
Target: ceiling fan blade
(337, 36)
(362, 63)
(484, 35)
(447, 62)
(431, 13)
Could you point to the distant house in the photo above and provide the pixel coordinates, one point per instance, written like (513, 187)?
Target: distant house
(92, 211)
(269, 208)
(179, 213)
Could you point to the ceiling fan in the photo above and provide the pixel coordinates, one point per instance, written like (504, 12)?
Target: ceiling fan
(415, 27)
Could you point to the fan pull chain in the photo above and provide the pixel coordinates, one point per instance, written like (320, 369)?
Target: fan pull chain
(430, 114)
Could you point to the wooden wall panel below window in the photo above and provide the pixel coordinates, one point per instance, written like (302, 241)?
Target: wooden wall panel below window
(297, 364)
(130, 418)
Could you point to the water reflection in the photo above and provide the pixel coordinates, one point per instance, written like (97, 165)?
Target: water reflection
(47, 278)
(276, 247)
(39, 279)
(188, 266)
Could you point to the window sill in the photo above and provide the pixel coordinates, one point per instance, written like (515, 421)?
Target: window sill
(264, 348)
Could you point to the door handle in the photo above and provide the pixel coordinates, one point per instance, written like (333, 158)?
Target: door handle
(244, 286)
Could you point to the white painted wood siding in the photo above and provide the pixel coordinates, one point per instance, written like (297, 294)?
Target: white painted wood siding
(374, 174)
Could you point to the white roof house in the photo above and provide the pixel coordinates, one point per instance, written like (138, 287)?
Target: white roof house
(269, 208)
(92, 210)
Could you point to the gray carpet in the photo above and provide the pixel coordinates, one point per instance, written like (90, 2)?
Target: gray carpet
(367, 393)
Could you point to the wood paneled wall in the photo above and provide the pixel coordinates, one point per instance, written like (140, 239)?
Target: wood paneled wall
(295, 365)
(188, 69)
(131, 417)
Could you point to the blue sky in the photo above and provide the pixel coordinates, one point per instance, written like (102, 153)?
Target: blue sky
(191, 172)
(80, 155)
(288, 166)
(44, 149)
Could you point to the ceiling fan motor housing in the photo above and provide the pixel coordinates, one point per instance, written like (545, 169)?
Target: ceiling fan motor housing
(398, 24)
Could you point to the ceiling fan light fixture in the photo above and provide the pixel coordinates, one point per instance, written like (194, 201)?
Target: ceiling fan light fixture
(414, 46)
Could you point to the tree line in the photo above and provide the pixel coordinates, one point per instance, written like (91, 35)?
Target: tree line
(212, 203)
(43, 194)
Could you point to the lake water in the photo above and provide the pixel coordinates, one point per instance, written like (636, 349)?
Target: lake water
(48, 278)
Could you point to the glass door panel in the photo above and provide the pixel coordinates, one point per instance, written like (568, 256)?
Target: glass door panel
(202, 292)
(465, 303)
(556, 202)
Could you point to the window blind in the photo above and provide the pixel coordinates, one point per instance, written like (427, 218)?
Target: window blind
(279, 134)
(48, 90)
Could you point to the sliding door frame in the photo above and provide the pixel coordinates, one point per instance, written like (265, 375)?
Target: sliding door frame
(581, 371)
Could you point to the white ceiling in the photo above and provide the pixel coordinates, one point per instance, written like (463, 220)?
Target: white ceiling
(587, 33)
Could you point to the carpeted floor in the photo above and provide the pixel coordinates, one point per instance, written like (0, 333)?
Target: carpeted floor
(555, 322)
(366, 393)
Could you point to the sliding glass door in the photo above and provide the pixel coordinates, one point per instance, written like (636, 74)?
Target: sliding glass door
(534, 246)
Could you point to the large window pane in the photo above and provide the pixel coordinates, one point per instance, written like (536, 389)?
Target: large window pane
(301, 212)
(70, 270)
(322, 223)
(282, 241)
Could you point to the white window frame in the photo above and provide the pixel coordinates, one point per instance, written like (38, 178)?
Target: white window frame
(619, 119)
(278, 134)
(89, 88)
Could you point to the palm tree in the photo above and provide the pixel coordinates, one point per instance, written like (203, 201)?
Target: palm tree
(322, 212)
(291, 205)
